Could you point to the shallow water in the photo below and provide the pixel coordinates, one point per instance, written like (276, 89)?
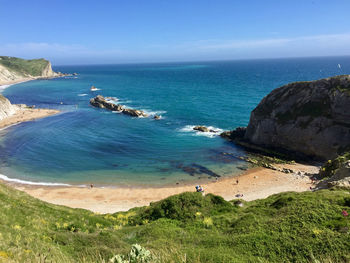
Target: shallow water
(88, 145)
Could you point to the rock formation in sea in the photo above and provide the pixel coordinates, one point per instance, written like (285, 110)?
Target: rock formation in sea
(100, 102)
(203, 129)
(311, 117)
(16, 69)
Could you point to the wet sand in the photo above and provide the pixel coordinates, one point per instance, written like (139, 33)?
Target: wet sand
(256, 183)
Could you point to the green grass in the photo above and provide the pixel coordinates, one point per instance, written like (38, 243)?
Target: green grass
(289, 227)
(33, 67)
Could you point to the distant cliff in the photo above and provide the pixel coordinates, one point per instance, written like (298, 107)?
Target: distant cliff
(311, 118)
(6, 108)
(16, 69)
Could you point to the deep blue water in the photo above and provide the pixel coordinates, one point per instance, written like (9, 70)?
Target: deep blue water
(88, 145)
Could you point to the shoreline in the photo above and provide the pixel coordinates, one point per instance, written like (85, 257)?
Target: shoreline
(22, 80)
(24, 115)
(255, 183)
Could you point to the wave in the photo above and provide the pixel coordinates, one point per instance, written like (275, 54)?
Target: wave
(83, 94)
(189, 128)
(2, 87)
(19, 181)
(153, 113)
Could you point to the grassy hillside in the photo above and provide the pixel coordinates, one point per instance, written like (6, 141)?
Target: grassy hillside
(289, 227)
(33, 67)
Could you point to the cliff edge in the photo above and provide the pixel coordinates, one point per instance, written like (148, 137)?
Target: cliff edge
(6, 108)
(311, 118)
(16, 69)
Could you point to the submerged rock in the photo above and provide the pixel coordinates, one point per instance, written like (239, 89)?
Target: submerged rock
(311, 118)
(101, 102)
(157, 117)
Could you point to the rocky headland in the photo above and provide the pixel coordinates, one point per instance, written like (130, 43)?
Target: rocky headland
(101, 102)
(305, 120)
(310, 118)
(14, 70)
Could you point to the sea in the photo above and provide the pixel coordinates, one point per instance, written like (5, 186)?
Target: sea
(84, 145)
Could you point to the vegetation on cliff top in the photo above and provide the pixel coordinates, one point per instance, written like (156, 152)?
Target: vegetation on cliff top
(288, 227)
(33, 67)
(331, 166)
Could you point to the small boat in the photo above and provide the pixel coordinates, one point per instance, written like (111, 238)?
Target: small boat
(93, 88)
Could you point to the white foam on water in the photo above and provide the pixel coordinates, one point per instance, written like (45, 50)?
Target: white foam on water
(189, 128)
(152, 113)
(3, 87)
(83, 94)
(19, 181)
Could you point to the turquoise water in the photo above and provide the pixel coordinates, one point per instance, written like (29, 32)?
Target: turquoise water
(87, 145)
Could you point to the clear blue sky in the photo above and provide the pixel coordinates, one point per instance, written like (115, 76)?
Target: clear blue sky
(83, 32)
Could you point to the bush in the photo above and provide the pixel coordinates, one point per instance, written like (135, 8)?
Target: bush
(137, 254)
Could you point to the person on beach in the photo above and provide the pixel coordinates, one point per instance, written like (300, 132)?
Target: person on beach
(91, 186)
(237, 181)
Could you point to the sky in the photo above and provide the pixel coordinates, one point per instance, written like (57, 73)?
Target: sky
(137, 31)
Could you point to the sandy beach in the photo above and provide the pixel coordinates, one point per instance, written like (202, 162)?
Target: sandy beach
(26, 114)
(254, 184)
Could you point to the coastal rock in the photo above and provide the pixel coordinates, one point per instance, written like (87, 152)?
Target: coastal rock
(239, 132)
(134, 113)
(100, 102)
(311, 118)
(203, 129)
(157, 117)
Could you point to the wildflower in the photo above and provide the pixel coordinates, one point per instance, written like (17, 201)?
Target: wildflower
(198, 214)
(98, 225)
(65, 225)
(344, 213)
(317, 231)
(58, 225)
(207, 221)
(3, 254)
(116, 227)
(17, 227)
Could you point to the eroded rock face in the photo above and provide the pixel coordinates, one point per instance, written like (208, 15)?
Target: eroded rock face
(100, 102)
(311, 117)
(6, 108)
(239, 132)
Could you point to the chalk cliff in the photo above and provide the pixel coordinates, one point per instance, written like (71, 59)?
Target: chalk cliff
(6, 108)
(16, 69)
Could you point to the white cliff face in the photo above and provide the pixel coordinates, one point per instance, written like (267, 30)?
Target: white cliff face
(48, 72)
(6, 108)
(7, 75)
